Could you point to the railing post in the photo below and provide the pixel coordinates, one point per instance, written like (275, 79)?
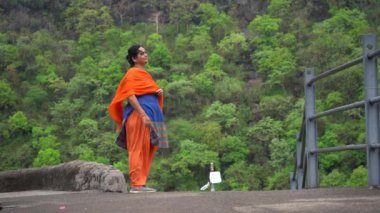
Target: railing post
(371, 110)
(311, 131)
(294, 176)
(299, 164)
(293, 182)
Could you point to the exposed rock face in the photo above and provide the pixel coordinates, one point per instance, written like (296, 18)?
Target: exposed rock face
(71, 176)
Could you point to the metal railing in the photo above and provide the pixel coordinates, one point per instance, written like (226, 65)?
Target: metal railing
(306, 165)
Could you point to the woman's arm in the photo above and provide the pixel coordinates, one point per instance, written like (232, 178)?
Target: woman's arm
(136, 105)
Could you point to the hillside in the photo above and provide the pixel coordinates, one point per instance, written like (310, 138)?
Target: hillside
(231, 72)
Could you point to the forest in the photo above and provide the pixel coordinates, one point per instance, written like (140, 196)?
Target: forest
(231, 71)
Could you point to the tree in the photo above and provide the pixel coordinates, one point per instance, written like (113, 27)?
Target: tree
(153, 40)
(88, 44)
(260, 135)
(232, 150)
(263, 30)
(213, 67)
(203, 84)
(344, 20)
(232, 84)
(279, 8)
(7, 95)
(113, 37)
(277, 64)
(329, 161)
(160, 57)
(280, 179)
(334, 99)
(66, 113)
(178, 97)
(21, 157)
(243, 177)
(84, 152)
(47, 71)
(182, 44)
(219, 23)
(201, 46)
(179, 131)
(9, 55)
(91, 20)
(327, 51)
(86, 79)
(104, 146)
(209, 133)
(88, 129)
(41, 42)
(44, 138)
(212, 72)
(333, 179)
(123, 166)
(359, 177)
(35, 97)
(281, 153)
(182, 12)
(224, 114)
(276, 106)
(191, 165)
(47, 157)
(18, 121)
(82, 86)
(233, 47)
(228, 89)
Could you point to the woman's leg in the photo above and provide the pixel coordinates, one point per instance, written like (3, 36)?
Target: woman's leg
(140, 150)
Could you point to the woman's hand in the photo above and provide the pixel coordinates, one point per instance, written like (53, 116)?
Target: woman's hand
(146, 120)
(160, 92)
(135, 104)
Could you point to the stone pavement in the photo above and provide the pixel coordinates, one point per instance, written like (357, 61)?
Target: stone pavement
(310, 200)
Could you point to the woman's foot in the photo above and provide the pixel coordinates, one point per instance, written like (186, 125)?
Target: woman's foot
(141, 189)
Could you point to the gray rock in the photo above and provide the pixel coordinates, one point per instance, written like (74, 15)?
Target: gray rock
(71, 176)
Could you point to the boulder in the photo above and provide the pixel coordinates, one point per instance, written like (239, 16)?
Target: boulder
(72, 176)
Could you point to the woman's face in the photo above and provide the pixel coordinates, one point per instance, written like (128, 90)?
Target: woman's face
(142, 57)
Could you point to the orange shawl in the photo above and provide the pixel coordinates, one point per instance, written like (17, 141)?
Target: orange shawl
(135, 82)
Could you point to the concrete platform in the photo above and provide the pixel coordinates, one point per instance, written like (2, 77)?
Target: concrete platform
(311, 200)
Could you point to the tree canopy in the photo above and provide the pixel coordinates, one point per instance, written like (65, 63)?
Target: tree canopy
(231, 72)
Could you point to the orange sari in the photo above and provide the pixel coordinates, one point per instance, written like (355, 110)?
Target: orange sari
(140, 151)
(135, 82)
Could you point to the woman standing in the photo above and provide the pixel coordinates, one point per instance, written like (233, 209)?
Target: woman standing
(141, 122)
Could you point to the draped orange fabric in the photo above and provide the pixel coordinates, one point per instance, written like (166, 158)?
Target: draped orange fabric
(136, 81)
(140, 150)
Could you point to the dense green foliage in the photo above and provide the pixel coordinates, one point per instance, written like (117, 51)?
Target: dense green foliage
(233, 85)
